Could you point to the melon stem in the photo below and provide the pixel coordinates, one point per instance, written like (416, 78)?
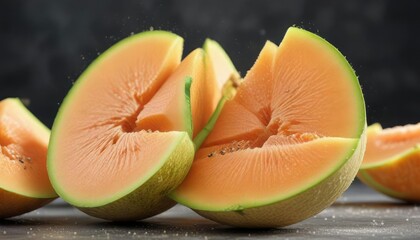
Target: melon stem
(228, 93)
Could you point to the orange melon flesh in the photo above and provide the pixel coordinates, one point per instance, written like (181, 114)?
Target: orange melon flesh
(162, 112)
(122, 119)
(298, 117)
(23, 152)
(218, 69)
(392, 161)
(24, 183)
(244, 178)
(219, 62)
(384, 144)
(273, 98)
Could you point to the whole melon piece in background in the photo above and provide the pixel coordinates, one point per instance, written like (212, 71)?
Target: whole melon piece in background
(24, 183)
(392, 161)
(287, 145)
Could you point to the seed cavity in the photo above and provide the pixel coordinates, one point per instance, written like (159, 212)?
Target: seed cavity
(12, 155)
(306, 137)
(233, 147)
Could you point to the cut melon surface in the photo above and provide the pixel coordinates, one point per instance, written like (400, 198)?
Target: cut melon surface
(122, 137)
(24, 183)
(23, 141)
(219, 62)
(392, 161)
(296, 124)
(219, 68)
(264, 170)
(388, 144)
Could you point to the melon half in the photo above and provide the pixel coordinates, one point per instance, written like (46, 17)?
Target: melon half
(392, 161)
(287, 145)
(24, 183)
(121, 140)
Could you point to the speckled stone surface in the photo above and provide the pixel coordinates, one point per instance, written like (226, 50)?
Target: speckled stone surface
(360, 213)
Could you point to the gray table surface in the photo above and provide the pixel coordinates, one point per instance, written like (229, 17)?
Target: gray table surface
(359, 214)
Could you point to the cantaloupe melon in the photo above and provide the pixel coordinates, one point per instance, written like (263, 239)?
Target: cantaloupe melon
(121, 140)
(392, 161)
(24, 183)
(289, 142)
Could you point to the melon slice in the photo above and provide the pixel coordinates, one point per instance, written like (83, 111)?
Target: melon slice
(122, 137)
(219, 63)
(219, 68)
(392, 161)
(24, 183)
(289, 142)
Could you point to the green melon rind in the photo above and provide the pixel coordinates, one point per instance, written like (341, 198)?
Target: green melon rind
(29, 114)
(298, 207)
(172, 154)
(351, 161)
(150, 198)
(209, 42)
(67, 100)
(203, 134)
(187, 109)
(31, 117)
(357, 90)
(365, 177)
(391, 160)
(240, 206)
(167, 156)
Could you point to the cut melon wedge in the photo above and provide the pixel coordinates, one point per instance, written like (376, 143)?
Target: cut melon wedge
(392, 161)
(219, 68)
(122, 137)
(219, 62)
(287, 145)
(24, 183)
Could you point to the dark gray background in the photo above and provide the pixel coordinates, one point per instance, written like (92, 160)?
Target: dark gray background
(45, 45)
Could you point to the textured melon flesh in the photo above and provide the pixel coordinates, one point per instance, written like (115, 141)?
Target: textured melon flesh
(122, 119)
(243, 179)
(102, 174)
(23, 152)
(388, 143)
(162, 112)
(297, 117)
(392, 161)
(287, 91)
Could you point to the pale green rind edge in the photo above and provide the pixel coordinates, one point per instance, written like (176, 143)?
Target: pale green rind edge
(151, 198)
(29, 114)
(391, 160)
(365, 177)
(361, 133)
(299, 207)
(33, 118)
(202, 135)
(208, 42)
(245, 205)
(67, 99)
(187, 110)
(346, 65)
(369, 181)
